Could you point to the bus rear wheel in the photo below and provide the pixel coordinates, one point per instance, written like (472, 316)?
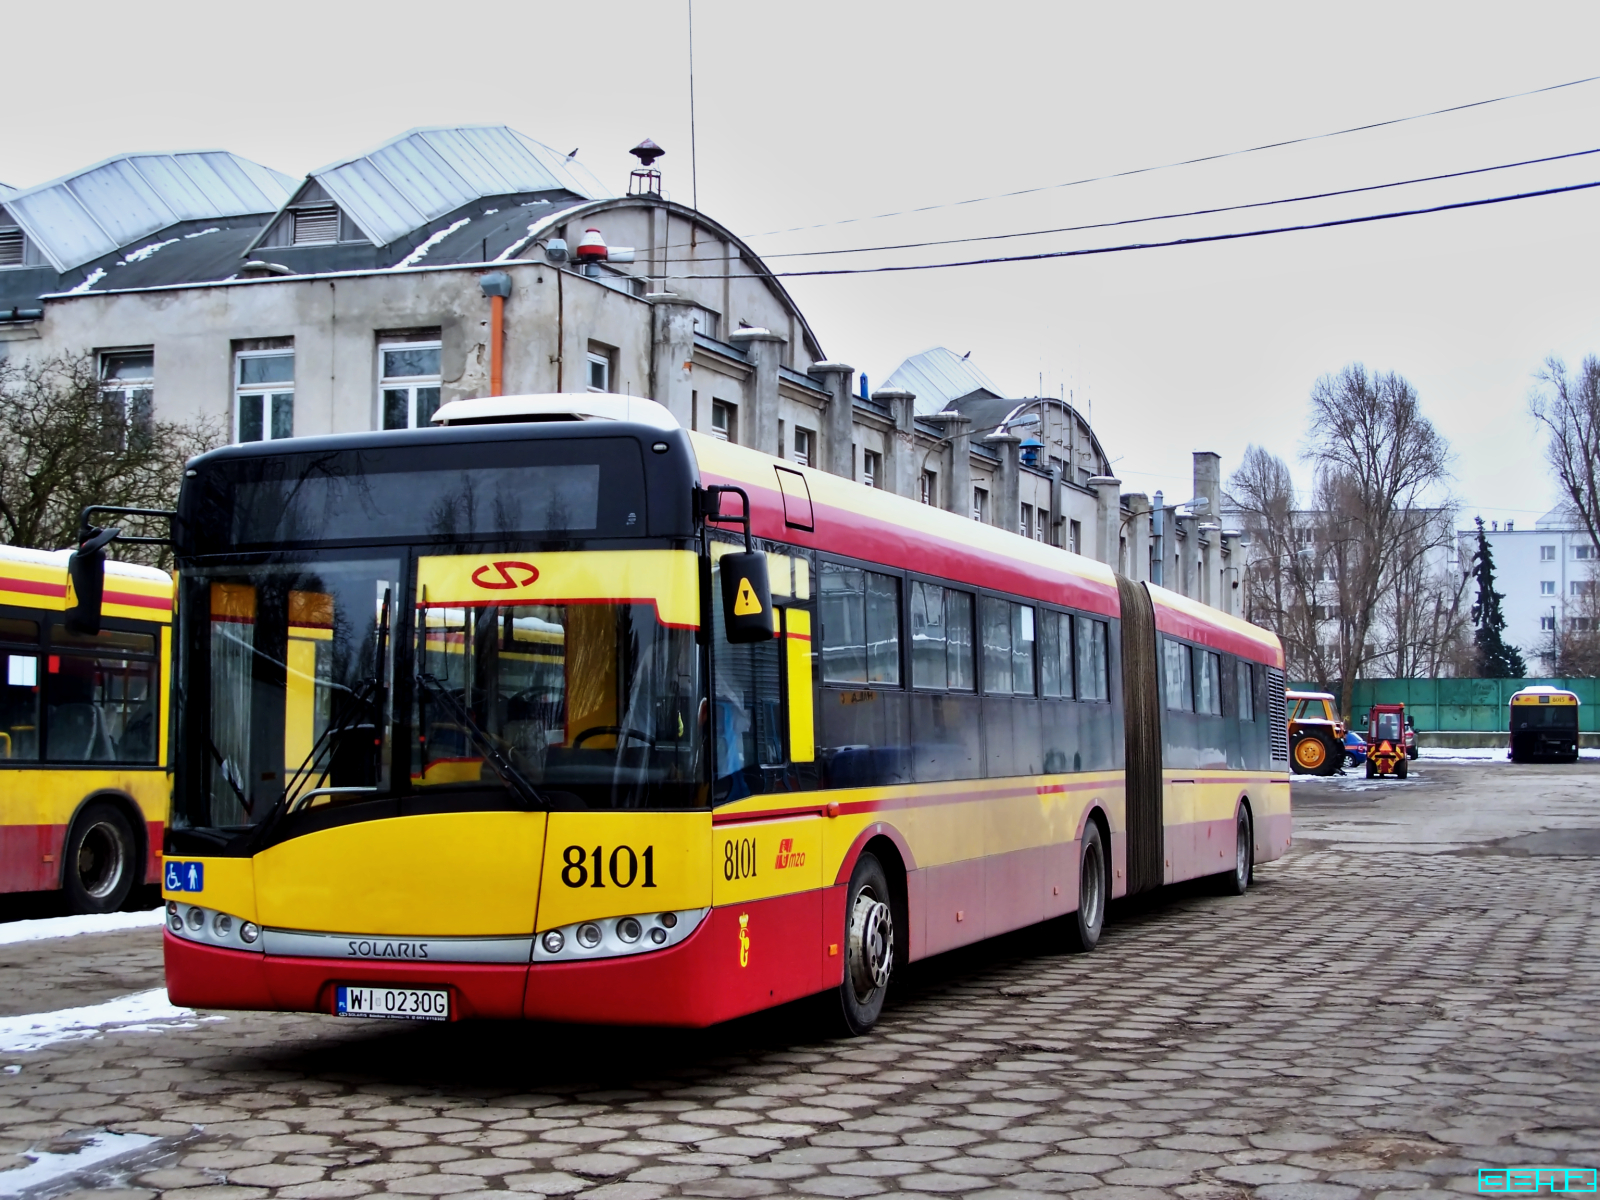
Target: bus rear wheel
(100, 861)
(1084, 926)
(869, 946)
(1237, 881)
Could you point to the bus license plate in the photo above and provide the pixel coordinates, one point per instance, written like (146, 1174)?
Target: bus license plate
(410, 1004)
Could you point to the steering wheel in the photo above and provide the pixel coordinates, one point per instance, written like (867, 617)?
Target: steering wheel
(612, 731)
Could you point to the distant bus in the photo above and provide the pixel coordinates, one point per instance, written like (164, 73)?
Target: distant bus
(83, 727)
(1544, 725)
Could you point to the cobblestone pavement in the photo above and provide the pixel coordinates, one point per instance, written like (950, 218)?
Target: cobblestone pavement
(1361, 1023)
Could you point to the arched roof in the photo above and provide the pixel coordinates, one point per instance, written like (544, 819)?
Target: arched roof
(551, 221)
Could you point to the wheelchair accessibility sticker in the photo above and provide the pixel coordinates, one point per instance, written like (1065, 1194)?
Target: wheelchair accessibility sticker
(186, 877)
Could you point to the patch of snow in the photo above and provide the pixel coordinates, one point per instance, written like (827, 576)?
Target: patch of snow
(489, 212)
(47, 1166)
(144, 252)
(140, 1012)
(421, 251)
(95, 277)
(201, 233)
(60, 927)
(533, 203)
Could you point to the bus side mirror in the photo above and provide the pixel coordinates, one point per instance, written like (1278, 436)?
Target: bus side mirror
(86, 582)
(746, 597)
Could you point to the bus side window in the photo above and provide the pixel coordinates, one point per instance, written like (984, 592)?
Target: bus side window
(19, 697)
(100, 697)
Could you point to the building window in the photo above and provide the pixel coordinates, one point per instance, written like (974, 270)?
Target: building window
(1075, 536)
(1547, 587)
(724, 421)
(1583, 552)
(12, 247)
(1025, 525)
(263, 395)
(1580, 624)
(705, 322)
(409, 383)
(599, 372)
(980, 504)
(1547, 554)
(127, 390)
(805, 443)
(871, 468)
(316, 224)
(1583, 587)
(1547, 624)
(929, 490)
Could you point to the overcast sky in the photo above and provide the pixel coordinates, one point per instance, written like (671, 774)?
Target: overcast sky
(815, 114)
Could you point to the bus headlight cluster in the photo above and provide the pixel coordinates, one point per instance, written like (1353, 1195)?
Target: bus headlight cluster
(614, 937)
(212, 928)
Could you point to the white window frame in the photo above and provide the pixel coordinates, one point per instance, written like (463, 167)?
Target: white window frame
(603, 361)
(264, 392)
(928, 488)
(127, 392)
(805, 446)
(409, 383)
(871, 468)
(1547, 587)
(729, 429)
(1547, 554)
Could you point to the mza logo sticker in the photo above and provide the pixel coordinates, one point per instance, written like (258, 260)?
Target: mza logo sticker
(186, 876)
(744, 939)
(788, 856)
(502, 576)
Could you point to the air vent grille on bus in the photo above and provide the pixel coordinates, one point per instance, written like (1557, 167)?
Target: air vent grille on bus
(1278, 715)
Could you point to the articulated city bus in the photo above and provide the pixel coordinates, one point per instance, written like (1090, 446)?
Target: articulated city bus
(559, 711)
(83, 731)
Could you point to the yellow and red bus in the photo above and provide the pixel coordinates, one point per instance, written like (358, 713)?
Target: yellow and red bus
(471, 725)
(83, 731)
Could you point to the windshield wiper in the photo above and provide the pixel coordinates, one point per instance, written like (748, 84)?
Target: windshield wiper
(513, 778)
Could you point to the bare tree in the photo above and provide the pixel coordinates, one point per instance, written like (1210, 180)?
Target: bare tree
(1568, 406)
(1280, 584)
(64, 446)
(1377, 460)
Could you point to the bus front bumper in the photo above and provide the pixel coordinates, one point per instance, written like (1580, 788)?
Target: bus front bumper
(710, 976)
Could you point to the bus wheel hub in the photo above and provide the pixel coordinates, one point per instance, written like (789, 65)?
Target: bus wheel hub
(871, 943)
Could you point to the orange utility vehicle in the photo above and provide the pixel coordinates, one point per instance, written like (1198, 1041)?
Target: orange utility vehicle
(1386, 741)
(1316, 734)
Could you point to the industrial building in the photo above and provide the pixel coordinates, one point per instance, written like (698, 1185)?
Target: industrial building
(465, 261)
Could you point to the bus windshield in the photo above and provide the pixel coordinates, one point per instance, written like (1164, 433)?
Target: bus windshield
(310, 684)
(1544, 716)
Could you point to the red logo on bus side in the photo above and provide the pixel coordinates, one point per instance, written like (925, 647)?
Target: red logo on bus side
(506, 579)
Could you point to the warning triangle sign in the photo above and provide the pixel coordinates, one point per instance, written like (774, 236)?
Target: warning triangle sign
(745, 603)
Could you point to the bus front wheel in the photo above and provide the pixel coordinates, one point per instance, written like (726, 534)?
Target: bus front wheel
(100, 861)
(869, 946)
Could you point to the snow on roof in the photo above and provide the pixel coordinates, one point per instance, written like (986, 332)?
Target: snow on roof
(92, 212)
(423, 174)
(938, 376)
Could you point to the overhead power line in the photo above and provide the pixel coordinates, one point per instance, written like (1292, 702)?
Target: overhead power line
(1193, 212)
(1188, 241)
(1190, 162)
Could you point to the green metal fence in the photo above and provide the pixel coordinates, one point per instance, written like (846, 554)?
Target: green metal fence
(1461, 704)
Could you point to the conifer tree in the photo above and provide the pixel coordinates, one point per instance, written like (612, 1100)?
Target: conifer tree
(1496, 660)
